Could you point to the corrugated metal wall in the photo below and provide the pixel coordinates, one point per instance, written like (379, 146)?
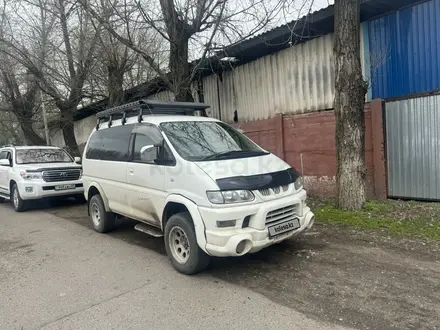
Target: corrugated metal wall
(168, 96)
(296, 80)
(413, 147)
(162, 96)
(405, 51)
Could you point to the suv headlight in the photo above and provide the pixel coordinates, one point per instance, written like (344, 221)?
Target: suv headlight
(31, 175)
(230, 196)
(299, 183)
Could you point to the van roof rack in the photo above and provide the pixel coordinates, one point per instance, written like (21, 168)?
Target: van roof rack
(148, 107)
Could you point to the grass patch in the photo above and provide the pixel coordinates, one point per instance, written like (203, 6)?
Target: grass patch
(409, 219)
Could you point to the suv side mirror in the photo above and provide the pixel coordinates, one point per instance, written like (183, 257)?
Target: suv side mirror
(78, 160)
(5, 162)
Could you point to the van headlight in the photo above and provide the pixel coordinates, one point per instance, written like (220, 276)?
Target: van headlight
(299, 183)
(230, 196)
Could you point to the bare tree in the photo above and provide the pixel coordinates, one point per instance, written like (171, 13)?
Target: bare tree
(119, 67)
(20, 97)
(19, 93)
(10, 132)
(62, 70)
(350, 89)
(197, 26)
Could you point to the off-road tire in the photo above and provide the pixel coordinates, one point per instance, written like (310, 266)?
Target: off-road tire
(106, 221)
(198, 260)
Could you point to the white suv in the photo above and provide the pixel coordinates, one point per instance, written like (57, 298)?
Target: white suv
(31, 173)
(200, 183)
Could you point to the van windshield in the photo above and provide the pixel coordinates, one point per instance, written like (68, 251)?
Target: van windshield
(34, 156)
(209, 140)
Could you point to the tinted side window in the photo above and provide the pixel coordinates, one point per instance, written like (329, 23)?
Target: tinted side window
(110, 144)
(3, 155)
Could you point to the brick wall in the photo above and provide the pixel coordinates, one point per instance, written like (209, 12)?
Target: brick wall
(307, 142)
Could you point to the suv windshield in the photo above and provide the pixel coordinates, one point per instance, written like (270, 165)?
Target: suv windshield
(209, 140)
(34, 156)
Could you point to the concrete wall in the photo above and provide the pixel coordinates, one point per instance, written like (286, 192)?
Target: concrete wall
(83, 128)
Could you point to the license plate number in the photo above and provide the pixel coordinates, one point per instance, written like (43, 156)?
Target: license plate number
(284, 227)
(65, 187)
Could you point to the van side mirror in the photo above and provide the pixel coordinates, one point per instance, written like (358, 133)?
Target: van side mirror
(145, 152)
(147, 149)
(5, 162)
(78, 160)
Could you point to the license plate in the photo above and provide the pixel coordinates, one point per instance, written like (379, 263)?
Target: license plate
(284, 227)
(65, 187)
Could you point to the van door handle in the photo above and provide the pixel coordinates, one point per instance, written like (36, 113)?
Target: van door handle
(131, 171)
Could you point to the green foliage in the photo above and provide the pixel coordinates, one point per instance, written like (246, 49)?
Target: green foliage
(409, 219)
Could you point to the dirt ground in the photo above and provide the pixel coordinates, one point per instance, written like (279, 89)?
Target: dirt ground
(362, 279)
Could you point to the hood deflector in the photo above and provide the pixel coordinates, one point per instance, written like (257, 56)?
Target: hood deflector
(260, 181)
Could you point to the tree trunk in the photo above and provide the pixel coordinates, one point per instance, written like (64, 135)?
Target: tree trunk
(350, 89)
(115, 86)
(30, 136)
(67, 125)
(180, 70)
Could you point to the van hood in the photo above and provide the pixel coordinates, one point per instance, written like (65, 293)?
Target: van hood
(227, 168)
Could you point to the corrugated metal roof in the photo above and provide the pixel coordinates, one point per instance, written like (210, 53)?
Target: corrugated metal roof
(314, 25)
(405, 51)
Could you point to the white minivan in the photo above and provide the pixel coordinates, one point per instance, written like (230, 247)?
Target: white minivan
(200, 183)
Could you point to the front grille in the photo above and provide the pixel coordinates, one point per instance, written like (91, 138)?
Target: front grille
(61, 175)
(282, 214)
(273, 191)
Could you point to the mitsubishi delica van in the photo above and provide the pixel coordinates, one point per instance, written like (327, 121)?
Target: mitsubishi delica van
(196, 181)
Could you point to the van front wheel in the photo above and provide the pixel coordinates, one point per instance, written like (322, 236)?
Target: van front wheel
(181, 245)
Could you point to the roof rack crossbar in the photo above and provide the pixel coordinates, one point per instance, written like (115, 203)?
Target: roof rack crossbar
(149, 107)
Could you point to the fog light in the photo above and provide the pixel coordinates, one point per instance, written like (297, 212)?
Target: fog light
(29, 189)
(226, 223)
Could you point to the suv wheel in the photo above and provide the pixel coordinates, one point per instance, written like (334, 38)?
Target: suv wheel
(18, 204)
(181, 245)
(102, 220)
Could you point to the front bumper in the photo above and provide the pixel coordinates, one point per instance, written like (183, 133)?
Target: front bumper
(40, 189)
(223, 242)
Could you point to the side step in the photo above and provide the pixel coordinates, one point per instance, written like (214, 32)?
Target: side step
(5, 196)
(150, 230)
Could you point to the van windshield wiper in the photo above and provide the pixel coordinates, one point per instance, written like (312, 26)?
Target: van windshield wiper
(227, 154)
